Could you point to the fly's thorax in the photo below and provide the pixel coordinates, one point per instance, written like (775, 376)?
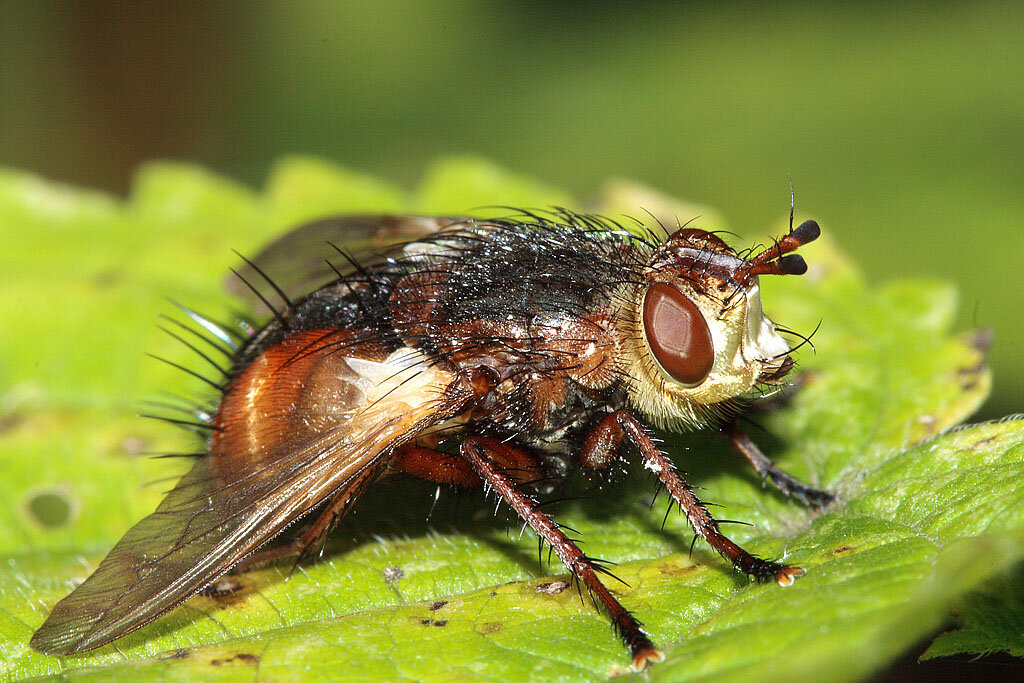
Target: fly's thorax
(586, 349)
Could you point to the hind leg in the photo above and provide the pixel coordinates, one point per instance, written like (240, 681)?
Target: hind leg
(314, 536)
(444, 468)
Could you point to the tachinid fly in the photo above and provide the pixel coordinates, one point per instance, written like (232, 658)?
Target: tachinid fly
(482, 352)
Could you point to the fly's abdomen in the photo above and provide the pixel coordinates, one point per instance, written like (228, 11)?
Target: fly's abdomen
(293, 392)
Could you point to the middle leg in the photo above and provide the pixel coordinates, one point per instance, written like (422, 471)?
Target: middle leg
(454, 470)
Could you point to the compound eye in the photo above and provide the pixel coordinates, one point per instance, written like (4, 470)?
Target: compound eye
(678, 334)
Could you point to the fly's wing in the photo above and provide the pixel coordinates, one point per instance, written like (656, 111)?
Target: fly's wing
(298, 261)
(224, 509)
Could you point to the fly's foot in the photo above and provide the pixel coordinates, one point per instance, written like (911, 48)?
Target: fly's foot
(765, 570)
(641, 649)
(787, 575)
(644, 657)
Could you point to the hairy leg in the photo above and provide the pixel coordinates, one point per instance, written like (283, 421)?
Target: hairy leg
(433, 465)
(623, 423)
(485, 455)
(763, 465)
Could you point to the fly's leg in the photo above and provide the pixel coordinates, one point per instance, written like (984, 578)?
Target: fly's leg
(314, 534)
(766, 469)
(433, 465)
(485, 455)
(601, 444)
(624, 423)
(444, 468)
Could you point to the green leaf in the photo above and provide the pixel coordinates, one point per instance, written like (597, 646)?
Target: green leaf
(926, 515)
(990, 621)
(301, 189)
(461, 185)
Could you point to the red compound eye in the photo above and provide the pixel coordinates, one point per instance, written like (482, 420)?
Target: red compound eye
(678, 334)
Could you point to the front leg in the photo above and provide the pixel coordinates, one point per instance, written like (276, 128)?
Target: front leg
(614, 427)
(763, 465)
(485, 455)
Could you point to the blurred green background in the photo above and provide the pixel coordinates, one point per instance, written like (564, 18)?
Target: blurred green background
(903, 128)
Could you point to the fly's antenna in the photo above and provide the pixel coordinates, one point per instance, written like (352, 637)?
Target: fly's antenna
(778, 259)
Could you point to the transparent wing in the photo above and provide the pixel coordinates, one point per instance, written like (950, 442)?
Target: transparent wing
(217, 514)
(297, 261)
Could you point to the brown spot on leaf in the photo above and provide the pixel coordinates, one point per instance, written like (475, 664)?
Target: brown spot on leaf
(441, 623)
(552, 587)
(105, 279)
(675, 569)
(438, 605)
(488, 627)
(842, 549)
(968, 382)
(241, 658)
(10, 421)
(969, 377)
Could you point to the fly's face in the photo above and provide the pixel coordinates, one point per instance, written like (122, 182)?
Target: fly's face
(698, 334)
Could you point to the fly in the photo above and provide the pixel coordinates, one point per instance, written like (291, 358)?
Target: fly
(531, 347)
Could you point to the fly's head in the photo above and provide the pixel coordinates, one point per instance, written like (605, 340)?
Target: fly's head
(699, 337)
